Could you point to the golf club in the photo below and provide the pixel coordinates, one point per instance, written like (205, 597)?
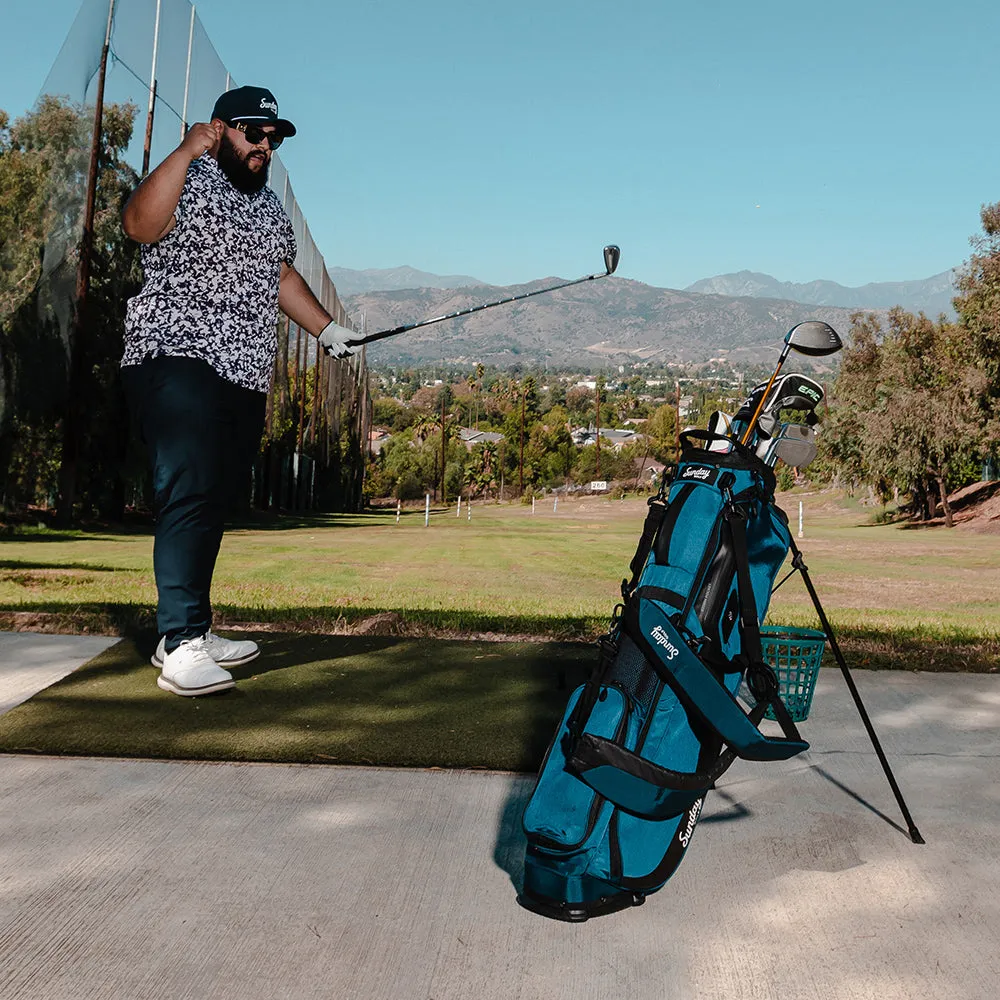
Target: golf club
(747, 408)
(791, 392)
(611, 257)
(794, 444)
(814, 338)
(794, 392)
(720, 423)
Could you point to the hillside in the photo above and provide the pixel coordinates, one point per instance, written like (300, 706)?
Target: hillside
(611, 321)
(351, 282)
(931, 296)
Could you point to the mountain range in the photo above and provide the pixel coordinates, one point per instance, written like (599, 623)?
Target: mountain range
(741, 317)
(350, 282)
(931, 295)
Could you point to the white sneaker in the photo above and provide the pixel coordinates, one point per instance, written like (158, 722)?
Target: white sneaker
(190, 671)
(225, 652)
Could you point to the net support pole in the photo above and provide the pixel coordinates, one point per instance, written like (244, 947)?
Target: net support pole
(187, 76)
(148, 141)
(151, 110)
(73, 419)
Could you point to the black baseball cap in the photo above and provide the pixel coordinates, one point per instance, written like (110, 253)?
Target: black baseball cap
(253, 105)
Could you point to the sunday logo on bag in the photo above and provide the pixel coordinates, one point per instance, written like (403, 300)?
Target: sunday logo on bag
(685, 835)
(700, 473)
(662, 639)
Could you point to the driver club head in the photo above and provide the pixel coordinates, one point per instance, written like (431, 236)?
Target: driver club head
(611, 257)
(814, 338)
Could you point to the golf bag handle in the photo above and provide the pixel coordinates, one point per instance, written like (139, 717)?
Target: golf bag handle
(707, 436)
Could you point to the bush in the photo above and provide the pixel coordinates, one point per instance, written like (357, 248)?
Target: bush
(408, 487)
(454, 479)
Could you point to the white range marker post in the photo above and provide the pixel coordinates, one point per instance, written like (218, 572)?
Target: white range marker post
(427, 509)
(555, 504)
(399, 509)
(458, 510)
(800, 519)
(468, 509)
(532, 506)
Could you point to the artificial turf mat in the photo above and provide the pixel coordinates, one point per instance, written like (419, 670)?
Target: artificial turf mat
(318, 699)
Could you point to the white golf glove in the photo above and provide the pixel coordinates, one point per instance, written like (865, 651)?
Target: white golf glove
(334, 339)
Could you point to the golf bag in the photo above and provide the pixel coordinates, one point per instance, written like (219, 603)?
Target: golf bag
(641, 743)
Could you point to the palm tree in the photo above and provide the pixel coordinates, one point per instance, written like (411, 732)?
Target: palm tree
(527, 389)
(484, 466)
(470, 381)
(424, 426)
(600, 386)
(480, 372)
(626, 405)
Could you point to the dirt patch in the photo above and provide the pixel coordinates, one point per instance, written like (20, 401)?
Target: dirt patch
(45, 579)
(386, 624)
(975, 508)
(984, 517)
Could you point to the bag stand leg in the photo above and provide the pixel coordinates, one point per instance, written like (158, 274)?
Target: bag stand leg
(799, 563)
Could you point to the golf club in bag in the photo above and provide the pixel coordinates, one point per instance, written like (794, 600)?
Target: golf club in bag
(794, 444)
(623, 782)
(612, 254)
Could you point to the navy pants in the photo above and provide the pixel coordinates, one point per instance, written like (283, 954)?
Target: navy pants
(202, 433)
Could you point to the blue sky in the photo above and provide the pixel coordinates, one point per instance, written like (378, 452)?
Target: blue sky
(510, 141)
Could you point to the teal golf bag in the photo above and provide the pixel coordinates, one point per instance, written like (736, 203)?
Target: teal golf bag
(642, 742)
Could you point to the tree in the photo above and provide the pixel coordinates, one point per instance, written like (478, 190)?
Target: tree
(978, 307)
(476, 384)
(484, 468)
(978, 301)
(908, 414)
(529, 409)
(392, 413)
(43, 163)
(661, 430)
(579, 402)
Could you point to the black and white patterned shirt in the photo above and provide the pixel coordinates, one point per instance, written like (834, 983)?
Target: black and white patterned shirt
(211, 284)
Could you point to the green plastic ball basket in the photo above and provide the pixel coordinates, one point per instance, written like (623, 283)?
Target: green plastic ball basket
(795, 654)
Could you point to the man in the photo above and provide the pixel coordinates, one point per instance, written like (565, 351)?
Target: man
(200, 341)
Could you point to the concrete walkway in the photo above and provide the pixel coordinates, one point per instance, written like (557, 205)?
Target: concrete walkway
(31, 662)
(142, 879)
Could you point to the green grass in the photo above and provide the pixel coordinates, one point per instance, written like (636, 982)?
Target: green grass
(318, 699)
(918, 599)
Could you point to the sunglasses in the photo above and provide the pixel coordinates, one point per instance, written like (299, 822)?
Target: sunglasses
(255, 134)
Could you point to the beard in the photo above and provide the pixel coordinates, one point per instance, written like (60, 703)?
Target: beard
(236, 169)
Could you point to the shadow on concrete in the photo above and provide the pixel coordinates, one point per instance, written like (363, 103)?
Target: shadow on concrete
(851, 793)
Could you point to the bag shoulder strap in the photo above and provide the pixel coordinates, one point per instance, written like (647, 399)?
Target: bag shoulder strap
(654, 518)
(760, 675)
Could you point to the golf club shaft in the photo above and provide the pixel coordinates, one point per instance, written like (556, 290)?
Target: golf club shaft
(382, 334)
(760, 406)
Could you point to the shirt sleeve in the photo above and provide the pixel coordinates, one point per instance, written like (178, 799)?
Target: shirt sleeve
(193, 180)
(183, 203)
